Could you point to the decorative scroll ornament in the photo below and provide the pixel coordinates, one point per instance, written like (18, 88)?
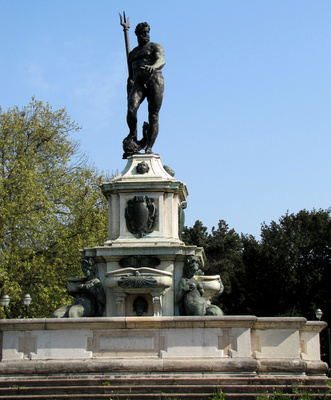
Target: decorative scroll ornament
(141, 215)
(136, 280)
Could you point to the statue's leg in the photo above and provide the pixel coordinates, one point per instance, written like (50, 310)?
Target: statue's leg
(194, 304)
(77, 311)
(214, 310)
(136, 97)
(62, 312)
(154, 97)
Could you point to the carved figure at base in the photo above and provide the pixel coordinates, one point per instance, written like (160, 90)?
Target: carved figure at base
(145, 82)
(140, 306)
(90, 297)
(189, 292)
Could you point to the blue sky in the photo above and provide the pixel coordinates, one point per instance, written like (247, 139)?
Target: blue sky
(246, 117)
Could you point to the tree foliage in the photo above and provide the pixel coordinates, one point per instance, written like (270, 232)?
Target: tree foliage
(50, 205)
(197, 235)
(293, 263)
(223, 250)
(286, 273)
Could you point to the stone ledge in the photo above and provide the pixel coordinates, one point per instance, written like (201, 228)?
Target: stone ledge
(279, 322)
(298, 365)
(128, 323)
(245, 321)
(115, 249)
(143, 365)
(314, 326)
(155, 365)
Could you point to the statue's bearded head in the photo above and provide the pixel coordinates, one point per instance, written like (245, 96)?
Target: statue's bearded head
(142, 31)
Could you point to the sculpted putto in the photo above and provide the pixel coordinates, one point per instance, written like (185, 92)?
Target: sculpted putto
(189, 292)
(90, 297)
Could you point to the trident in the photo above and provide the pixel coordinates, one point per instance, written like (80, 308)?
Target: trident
(126, 25)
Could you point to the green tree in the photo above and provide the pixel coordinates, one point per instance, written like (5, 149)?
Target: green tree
(252, 278)
(289, 271)
(224, 256)
(294, 265)
(223, 250)
(197, 235)
(286, 273)
(50, 205)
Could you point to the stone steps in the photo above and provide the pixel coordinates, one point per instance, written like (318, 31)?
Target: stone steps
(143, 387)
(172, 379)
(157, 396)
(196, 388)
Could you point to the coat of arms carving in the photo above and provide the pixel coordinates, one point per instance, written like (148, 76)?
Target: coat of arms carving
(141, 215)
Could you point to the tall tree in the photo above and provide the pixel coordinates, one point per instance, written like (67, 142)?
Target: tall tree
(253, 277)
(197, 235)
(224, 254)
(296, 260)
(223, 250)
(286, 273)
(289, 271)
(50, 205)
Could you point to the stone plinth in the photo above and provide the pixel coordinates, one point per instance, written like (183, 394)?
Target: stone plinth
(171, 259)
(166, 192)
(232, 344)
(144, 194)
(148, 282)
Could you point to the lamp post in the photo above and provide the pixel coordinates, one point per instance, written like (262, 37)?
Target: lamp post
(26, 301)
(318, 314)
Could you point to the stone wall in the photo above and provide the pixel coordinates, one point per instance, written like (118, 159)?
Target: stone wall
(245, 344)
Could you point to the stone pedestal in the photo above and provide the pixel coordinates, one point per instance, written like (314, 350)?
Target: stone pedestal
(154, 182)
(145, 205)
(141, 333)
(225, 345)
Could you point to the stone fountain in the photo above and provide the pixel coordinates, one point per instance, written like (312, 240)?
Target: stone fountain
(144, 307)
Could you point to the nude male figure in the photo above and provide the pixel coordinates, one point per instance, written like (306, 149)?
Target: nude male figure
(145, 81)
